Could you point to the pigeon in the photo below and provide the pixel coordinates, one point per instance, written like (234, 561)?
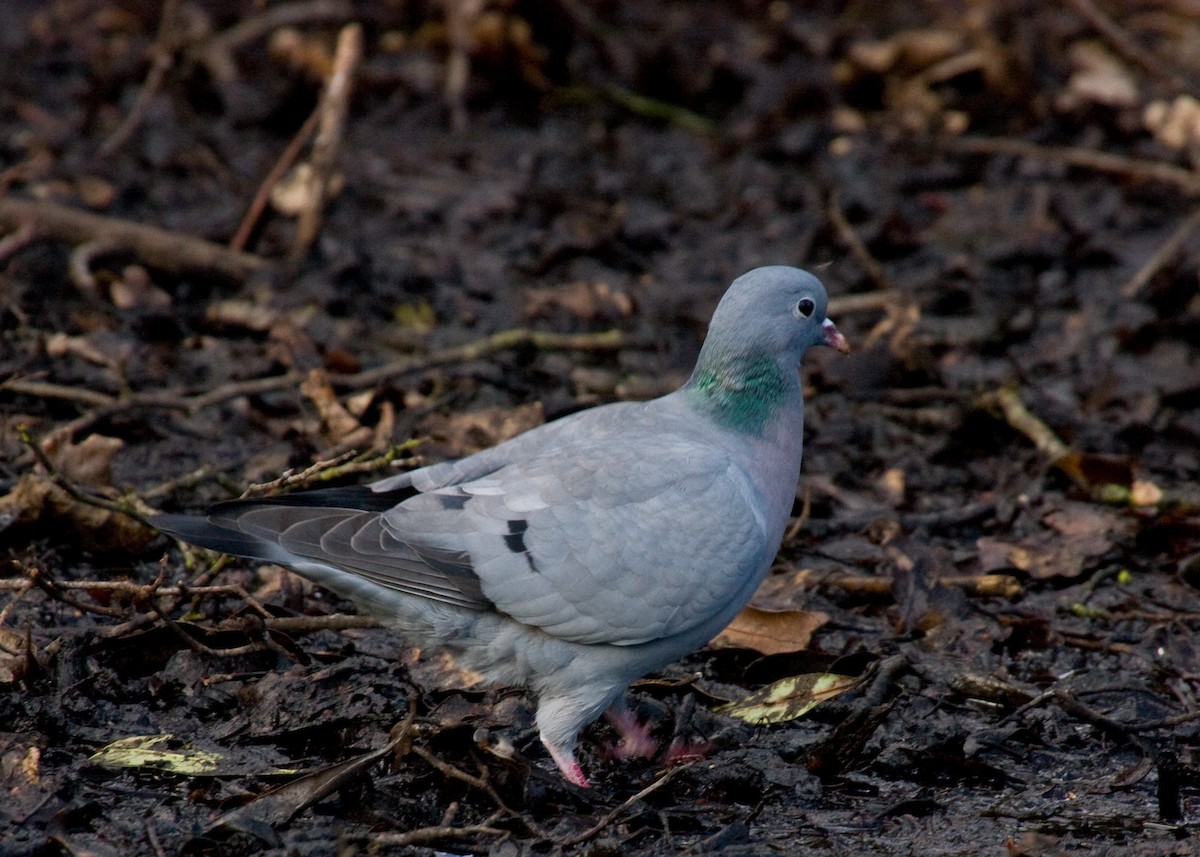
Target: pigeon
(585, 553)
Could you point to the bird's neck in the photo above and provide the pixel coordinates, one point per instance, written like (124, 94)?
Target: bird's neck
(744, 391)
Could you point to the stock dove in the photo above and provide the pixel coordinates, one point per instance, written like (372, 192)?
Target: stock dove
(587, 552)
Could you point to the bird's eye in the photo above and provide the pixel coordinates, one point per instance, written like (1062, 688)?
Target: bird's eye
(804, 308)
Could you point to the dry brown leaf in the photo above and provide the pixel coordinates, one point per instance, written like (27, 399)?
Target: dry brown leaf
(588, 301)
(771, 632)
(460, 435)
(38, 502)
(1175, 125)
(337, 423)
(1074, 534)
(87, 463)
(1099, 78)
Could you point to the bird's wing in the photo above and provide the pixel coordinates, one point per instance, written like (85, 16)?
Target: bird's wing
(624, 546)
(594, 542)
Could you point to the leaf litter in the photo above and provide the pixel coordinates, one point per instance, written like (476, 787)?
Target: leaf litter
(1022, 403)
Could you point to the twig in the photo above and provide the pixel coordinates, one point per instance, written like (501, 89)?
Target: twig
(22, 588)
(609, 340)
(152, 837)
(156, 247)
(460, 17)
(480, 783)
(1164, 254)
(196, 646)
(1020, 418)
(983, 586)
(163, 59)
(62, 392)
(79, 496)
(612, 815)
(216, 54)
(435, 833)
(263, 195)
(17, 240)
(292, 477)
(332, 622)
(504, 340)
(1071, 704)
(1164, 722)
(79, 264)
(1103, 162)
(855, 244)
(332, 109)
(1116, 36)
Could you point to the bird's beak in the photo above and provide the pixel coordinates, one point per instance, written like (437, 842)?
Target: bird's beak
(834, 338)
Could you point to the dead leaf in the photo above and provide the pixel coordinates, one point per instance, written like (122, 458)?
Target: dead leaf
(588, 301)
(1175, 125)
(21, 781)
(240, 313)
(36, 501)
(790, 698)
(167, 753)
(771, 632)
(13, 661)
(1073, 534)
(1099, 78)
(460, 435)
(87, 463)
(337, 423)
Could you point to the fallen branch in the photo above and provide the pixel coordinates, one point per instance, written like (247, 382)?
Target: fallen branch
(981, 586)
(504, 340)
(422, 835)
(332, 109)
(1133, 168)
(259, 204)
(613, 814)
(158, 248)
(855, 244)
(166, 45)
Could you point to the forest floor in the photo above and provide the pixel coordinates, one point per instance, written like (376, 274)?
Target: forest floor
(505, 212)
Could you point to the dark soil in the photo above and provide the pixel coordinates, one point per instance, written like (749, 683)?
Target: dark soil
(999, 517)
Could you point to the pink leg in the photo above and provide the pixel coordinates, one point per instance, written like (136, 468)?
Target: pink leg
(565, 760)
(635, 742)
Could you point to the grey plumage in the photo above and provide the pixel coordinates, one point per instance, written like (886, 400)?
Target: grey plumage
(587, 552)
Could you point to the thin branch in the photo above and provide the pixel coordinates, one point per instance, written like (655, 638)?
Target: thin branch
(1161, 257)
(162, 61)
(158, 248)
(612, 815)
(263, 196)
(504, 340)
(1124, 44)
(1138, 169)
(855, 244)
(216, 54)
(332, 109)
(435, 834)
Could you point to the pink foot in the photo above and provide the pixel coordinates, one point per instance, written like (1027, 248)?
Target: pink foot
(635, 742)
(565, 759)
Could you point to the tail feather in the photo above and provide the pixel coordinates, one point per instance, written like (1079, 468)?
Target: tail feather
(199, 530)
